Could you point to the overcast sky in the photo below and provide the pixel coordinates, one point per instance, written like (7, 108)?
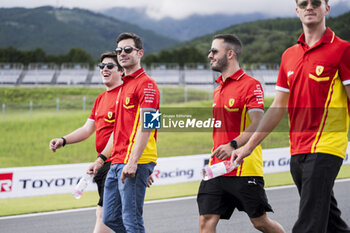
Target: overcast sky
(174, 8)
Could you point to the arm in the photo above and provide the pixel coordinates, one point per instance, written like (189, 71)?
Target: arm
(347, 89)
(107, 152)
(270, 120)
(77, 135)
(141, 141)
(225, 151)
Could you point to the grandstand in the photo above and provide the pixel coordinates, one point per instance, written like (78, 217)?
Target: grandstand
(193, 75)
(39, 73)
(166, 73)
(10, 73)
(73, 74)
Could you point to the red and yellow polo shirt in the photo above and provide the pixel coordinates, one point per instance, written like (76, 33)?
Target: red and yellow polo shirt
(138, 91)
(233, 99)
(318, 104)
(103, 114)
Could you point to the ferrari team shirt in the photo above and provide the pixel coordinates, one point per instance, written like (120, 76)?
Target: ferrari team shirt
(233, 100)
(138, 91)
(103, 114)
(318, 105)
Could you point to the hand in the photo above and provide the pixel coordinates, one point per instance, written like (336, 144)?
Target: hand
(239, 154)
(223, 151)
(129, 170)
(55, 144)
(150, 181)
(93, 168)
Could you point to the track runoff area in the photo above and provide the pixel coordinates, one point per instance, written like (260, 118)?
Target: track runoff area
(173, 215)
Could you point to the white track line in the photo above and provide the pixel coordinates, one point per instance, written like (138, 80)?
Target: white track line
(146, 203)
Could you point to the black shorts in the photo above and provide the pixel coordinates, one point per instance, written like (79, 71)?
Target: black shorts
(100, 179)
(223, 194)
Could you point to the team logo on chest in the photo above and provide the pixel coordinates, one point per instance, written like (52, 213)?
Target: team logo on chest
(127, 100)
(231, 102)
(319, 70)
(110, 114)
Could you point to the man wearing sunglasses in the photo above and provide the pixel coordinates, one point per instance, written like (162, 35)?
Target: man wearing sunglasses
(238, 103)
(133, 149)
(101, 120)
(313, 84)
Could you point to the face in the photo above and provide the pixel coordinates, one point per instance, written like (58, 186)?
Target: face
(132, 59)
(218, 55)
(312, 12)
(110, 77)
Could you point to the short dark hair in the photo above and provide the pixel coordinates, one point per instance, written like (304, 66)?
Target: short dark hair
(112, 55)
(129, 35)
(232, 40)
(326, 1)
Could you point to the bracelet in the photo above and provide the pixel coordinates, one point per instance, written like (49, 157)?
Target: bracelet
(104, 158)
(64, 141)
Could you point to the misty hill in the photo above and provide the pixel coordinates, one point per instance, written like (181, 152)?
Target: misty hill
(181, 29)
(264, 41)
(195, 25)
(58, 30)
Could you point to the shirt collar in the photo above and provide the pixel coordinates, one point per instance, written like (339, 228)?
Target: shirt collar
(236, 76)
(327, 38)
(134, 75)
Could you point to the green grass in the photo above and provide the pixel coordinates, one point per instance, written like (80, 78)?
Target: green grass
(15, 206)
(25, 139)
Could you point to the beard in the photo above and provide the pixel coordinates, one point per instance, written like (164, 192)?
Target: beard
(220, 65)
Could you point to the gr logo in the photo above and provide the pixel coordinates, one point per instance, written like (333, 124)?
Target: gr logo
(5, 182)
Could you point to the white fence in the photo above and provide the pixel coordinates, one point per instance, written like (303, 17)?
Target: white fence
(45, 180)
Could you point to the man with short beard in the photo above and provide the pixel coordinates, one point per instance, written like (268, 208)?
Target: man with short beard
(239, 104)
(313, 85)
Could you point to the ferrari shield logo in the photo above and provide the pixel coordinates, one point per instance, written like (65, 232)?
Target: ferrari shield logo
(231, 102)
(319, 70)
(110, 114)
(127, 100)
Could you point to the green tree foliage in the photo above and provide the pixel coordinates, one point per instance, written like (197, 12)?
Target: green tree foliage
(183, 55)
(75, 55)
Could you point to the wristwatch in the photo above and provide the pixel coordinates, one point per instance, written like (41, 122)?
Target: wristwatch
(233, 143)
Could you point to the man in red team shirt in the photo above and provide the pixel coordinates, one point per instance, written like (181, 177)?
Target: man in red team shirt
(239, 104)
(313, 83)
(132, 147)
(101, 120)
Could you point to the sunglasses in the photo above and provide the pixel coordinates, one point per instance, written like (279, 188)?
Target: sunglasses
(314, 3)
(214, 51)
(127, 49)
(109, 65)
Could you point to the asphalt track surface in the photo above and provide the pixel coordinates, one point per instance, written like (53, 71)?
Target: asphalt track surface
(173, 216)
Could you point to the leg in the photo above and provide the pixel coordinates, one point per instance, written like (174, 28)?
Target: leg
(112, 208)
(266, 225)
(208, 222)
(133, 195)
(100, 227)
(335, 223)
(100, 179)
(314, 175)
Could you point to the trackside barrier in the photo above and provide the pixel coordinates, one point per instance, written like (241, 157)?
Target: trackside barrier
(55, 179)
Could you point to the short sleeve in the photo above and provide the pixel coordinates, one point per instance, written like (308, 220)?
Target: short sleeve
(344, 67)
(255, 96)
(148, 94)
(282, 79)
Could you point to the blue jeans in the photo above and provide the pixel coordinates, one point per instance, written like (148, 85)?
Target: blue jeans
(123, 203)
